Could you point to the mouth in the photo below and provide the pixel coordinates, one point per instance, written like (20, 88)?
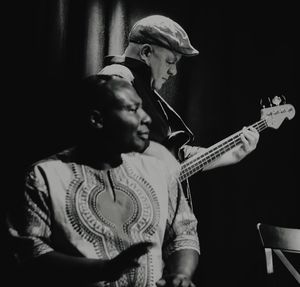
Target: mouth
(144, 135)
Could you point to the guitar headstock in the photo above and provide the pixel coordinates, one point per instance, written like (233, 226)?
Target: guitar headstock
(277, 112)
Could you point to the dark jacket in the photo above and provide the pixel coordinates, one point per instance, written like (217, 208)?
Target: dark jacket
(165, 121)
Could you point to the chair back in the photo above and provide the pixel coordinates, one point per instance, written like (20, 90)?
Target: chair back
(279, 240)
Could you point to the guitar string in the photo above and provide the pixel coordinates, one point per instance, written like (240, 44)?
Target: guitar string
(192, 165)
(228, 144)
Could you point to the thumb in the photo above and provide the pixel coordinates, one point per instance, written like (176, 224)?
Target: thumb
(161, 282)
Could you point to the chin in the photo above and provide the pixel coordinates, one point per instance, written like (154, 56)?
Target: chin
(157, 86)
(146, 145)
(141, 148)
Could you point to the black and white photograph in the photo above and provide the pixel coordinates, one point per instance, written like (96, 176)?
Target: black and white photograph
(152, 144)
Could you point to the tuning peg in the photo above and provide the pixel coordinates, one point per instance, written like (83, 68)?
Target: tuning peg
(283, 99)
(276, 100)
(263, 103)
(270, 102)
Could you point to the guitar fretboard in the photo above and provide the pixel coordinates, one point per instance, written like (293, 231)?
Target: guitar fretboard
(198, 161)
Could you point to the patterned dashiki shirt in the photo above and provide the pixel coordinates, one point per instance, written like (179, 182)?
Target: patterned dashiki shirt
(82, 211)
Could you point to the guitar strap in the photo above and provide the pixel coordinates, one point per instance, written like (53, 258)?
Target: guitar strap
(165, 107)
(171, 114)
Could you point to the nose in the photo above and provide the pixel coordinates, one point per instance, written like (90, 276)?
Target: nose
(173, 70)
(145, 118)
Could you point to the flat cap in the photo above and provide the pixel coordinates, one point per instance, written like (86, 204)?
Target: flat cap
(162, 31)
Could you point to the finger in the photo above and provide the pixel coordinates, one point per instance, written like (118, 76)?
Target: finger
(249, 138)
(161, 283)
(176, 282)
(132, 255)
(139, 249)
(184, 283)
(129, 258)
(134, 263)
(251, 133)
(244, 140)
(252, 139)
(250, 128)
(187, 283)
(180, 281)
(254, 130)
(254, 134)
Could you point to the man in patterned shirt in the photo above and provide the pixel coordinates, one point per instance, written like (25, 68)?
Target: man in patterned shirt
(106, 213)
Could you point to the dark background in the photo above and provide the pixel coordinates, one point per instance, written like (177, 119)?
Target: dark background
(248, 52)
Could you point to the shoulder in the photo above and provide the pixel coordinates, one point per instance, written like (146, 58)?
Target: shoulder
(161, 153)
(154, 165)
(49, 164)
(36, 175)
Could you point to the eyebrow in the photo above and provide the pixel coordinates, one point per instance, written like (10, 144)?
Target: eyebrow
(137, 104)
(176, 57)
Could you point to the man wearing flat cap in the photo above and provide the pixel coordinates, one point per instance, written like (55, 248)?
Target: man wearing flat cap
(156, 44)
(163, 32)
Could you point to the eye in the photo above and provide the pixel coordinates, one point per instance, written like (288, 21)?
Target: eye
(133, 109)
(171, 60)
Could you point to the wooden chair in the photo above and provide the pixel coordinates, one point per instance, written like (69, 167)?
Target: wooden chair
(280, 240)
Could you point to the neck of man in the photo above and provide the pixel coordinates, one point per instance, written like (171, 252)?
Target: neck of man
(100, 155)
(133, 51)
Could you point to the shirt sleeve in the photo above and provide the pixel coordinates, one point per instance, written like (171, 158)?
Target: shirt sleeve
(181, 230)
(161, 153)
(29, 225)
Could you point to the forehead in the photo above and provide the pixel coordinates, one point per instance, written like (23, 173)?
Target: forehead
(166, 53)
(126, 96)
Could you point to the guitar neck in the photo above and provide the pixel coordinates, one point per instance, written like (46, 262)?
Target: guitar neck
(198, 161)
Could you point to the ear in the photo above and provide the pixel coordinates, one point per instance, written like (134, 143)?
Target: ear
(96, 119)
(146, 52)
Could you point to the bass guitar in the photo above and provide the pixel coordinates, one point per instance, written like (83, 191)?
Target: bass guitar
(270, 117)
